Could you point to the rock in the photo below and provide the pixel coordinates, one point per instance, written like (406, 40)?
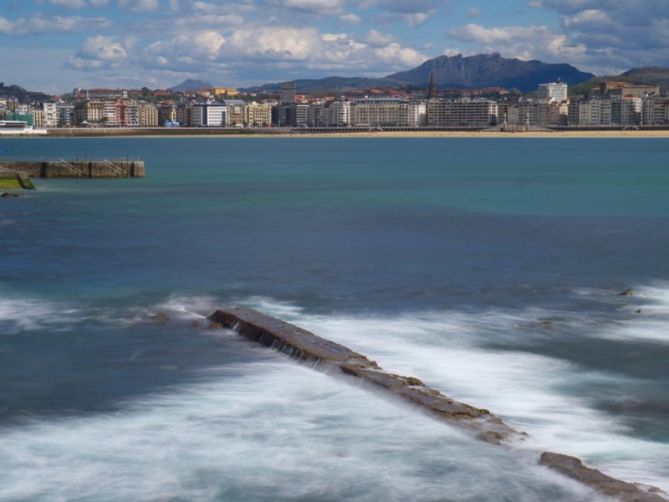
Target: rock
(638, 311)
(322, 353)
(160, 318)
(216, 325)
(627, 292)
(9, 195)
(574, 468)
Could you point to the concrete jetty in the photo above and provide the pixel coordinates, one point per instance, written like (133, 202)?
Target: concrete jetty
(79, 168)
(326, 355)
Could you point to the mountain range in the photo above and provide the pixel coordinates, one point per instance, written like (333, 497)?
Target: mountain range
(483, 70)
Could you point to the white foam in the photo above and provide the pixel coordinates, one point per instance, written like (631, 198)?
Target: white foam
(279, 431)
(530, 391)
(648, 319)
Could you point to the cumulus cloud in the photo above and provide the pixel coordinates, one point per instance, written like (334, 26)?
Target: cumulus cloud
(617, 34)
(301, 49)
(523, 42)
(100, 52)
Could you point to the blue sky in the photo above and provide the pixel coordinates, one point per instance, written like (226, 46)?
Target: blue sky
(56, 45)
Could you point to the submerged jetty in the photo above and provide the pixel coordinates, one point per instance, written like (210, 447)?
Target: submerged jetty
(78, 168)
(326, 355)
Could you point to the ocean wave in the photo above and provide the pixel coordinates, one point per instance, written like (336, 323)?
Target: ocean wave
(456, 351)
(534, 393)
(279, 431)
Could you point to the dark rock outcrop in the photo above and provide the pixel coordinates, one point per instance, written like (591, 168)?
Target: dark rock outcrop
(304, 345)
(575, 469)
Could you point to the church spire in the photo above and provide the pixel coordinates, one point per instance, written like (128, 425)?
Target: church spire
(431, 88)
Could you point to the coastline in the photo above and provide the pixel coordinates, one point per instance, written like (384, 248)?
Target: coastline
(268, 133)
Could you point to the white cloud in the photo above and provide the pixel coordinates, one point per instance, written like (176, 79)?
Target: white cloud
(377, 38)
(321, 7)
(139, 5)
(39, 24)
(350, 18)
(395, 53)
(76, 4)
(523, 42)
(100, 52)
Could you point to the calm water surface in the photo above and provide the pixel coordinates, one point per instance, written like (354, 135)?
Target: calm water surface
(489, 268)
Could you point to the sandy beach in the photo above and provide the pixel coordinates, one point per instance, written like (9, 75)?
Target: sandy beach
(265, 133)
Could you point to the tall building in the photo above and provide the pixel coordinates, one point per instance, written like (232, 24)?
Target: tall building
(50, 111)
(413, 114)
(66, 116)
(148, 115)
(338, 114)
(288, 93)
(553, 91)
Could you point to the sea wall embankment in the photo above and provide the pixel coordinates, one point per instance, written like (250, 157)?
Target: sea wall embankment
(61, 168)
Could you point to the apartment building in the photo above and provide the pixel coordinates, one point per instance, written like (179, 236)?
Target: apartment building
(461, 113)
(258, 114)
(148, 115)
(377, 112)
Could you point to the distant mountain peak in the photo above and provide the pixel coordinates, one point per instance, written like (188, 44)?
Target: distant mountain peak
(459, 71)
(191, 85)
(489, 70)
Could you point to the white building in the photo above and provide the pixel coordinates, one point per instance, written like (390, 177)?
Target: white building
(413, 114)
(209, 115)
(339, 114)
(553, 91)
(50, 118)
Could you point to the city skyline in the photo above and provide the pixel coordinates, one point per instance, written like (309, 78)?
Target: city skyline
(55, 45)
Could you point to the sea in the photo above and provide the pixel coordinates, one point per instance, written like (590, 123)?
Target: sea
(489, 268)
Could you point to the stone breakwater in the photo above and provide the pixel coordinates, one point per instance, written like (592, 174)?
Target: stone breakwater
(62, 168)
(326, 355)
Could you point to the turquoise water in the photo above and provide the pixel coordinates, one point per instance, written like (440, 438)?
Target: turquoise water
(489, 268)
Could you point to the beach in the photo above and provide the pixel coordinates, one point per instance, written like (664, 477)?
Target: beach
(251, 133)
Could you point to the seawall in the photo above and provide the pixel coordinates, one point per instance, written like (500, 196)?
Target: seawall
(62, 168)
(329, 356)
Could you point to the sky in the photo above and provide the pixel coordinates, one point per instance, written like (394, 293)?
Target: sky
(57, 45)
